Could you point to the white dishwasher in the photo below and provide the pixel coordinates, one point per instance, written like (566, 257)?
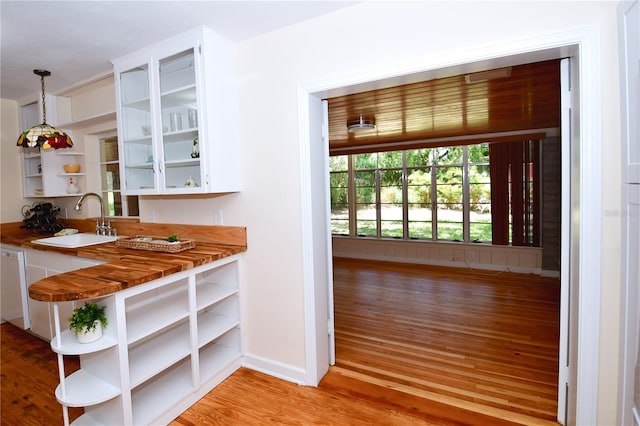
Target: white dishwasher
(14, 296)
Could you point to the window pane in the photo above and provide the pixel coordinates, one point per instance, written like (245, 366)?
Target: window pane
(338, 185)
(420, 221)
(366, 178)
(115, 204)
(339, 226)
(340, 218)
(448, 155)
(109, 149)
(450, 231)
(450, 222)
(479, 193)
(419, 186)
(449, 200)
(391, 220)
(338, 163)
(480, 232)
(113, 201)
(391, 199)
(110, 174)
(419, 157)
(339, 203)
(366, 220)
(390, 159)
(366, 161)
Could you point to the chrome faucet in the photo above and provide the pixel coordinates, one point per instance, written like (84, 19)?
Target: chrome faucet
(101, 228)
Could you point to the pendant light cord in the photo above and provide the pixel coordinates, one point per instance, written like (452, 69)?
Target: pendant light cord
(44, 105)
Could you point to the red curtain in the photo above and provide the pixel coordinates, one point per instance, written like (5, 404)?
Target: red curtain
(515, 192)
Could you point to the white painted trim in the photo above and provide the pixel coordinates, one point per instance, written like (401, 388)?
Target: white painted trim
(310, 304)
(276, 369)
(590, 226)
(329, 239)
(565, 235)
(449, 263)
(552, 45)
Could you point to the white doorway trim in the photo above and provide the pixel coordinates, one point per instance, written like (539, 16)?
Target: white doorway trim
(582, 44)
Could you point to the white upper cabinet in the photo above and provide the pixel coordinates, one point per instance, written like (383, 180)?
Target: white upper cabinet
(177, 116)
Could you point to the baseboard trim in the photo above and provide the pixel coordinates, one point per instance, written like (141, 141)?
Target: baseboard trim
(276, 369)
(449, 263)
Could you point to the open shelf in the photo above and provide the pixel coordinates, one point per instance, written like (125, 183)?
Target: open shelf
(150, 357)
(211, 326)
(84, 389)
(155, 310)
(218, 355)
(156, 396)
(70, 345)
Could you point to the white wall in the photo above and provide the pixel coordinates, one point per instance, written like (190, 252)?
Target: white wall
(365, 37)
(11, 199)
(523, 260)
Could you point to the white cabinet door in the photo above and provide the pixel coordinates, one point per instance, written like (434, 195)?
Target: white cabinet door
(38, 311)
(629, 405)
(177, 117)
(630, 78)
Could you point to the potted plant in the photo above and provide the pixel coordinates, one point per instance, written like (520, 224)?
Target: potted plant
(87, 322)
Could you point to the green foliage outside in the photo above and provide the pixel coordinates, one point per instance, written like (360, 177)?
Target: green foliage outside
(422, 164)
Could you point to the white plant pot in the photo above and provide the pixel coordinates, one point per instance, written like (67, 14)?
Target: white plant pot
(85, 336)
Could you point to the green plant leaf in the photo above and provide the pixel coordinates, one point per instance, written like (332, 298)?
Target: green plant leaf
(86, 316)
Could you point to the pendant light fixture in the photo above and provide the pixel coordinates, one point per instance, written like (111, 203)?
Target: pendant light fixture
(43, 135)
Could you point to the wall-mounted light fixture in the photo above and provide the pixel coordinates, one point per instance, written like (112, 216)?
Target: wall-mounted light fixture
(42, 135)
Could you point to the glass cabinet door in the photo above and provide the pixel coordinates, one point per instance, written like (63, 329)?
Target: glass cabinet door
(180, 164)
(137, 129)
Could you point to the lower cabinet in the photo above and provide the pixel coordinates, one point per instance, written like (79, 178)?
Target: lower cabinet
(42, 264)
(168, 343)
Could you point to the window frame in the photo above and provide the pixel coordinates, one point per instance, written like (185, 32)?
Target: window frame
(124, 199)
(432, 167)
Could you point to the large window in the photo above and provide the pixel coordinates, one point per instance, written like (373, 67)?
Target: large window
(115, 203)
(440, 193)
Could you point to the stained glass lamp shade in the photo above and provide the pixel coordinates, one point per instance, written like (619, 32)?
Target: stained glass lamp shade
(43, 135)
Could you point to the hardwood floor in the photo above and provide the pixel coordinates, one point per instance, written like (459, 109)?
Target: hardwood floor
(418, 346)
(480, 340)
(29, 377)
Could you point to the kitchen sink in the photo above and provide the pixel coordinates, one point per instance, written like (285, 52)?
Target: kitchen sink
(75, 240)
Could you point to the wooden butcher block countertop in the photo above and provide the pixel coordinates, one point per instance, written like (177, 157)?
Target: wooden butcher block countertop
(128, 267)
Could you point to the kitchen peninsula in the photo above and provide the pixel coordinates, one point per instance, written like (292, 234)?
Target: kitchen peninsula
(174, 322)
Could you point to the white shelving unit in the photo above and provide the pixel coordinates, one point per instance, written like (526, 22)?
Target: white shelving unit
(169, 340)
(43, 174)
(168, 96)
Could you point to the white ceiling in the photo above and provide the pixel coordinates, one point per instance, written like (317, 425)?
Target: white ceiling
(76, 40)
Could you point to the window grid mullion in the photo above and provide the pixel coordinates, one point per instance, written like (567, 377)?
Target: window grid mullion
(351, 194)
(435, 168)
(434, 197)
(405, 197)
(378, 204)
(466, 213)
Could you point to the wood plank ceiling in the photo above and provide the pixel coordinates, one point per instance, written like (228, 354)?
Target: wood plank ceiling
(519, 98)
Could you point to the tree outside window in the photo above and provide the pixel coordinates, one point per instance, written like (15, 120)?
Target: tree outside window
(441, 193)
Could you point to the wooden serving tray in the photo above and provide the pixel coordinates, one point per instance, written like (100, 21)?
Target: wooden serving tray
(145, 242)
